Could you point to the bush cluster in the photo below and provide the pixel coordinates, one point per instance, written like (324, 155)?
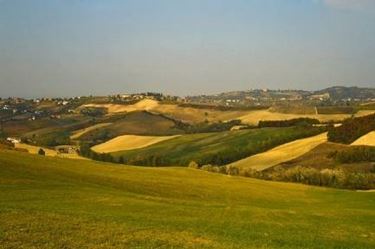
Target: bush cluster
(351, 129)
(337, 178)
(215, 168)
(205, 127)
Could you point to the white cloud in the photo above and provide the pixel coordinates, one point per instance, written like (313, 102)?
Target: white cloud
(351, 4)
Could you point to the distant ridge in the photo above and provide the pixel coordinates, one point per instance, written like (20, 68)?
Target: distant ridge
(341, 92)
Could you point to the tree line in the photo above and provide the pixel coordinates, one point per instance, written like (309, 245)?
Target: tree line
(288, 123)
(337, 178)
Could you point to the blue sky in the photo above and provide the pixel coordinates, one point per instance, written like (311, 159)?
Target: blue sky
(81, 47)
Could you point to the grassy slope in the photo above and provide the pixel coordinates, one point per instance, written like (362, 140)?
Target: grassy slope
(59, 203)
(67, 123)
(136, 123)
(16, 128)
(281, 153)
(199, 147)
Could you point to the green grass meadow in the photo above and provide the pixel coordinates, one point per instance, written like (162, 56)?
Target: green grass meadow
(61, 203)
(216, 148)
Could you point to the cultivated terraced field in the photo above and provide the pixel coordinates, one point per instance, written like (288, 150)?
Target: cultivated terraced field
(59, 203)
(129, 142)
(280, 154)
(216, 148)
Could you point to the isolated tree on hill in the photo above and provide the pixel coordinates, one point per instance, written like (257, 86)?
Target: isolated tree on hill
(41, 152)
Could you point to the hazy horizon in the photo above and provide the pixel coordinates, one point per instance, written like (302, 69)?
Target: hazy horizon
(167, 93)
(100, 47)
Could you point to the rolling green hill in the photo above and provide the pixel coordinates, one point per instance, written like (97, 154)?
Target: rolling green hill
(215, 148)
(60, 203)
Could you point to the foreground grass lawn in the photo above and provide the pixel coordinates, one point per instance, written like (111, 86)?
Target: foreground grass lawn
(61, 203)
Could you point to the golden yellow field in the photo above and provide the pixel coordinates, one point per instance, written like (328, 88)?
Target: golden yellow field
(147, 104)
(254, 117)
(282, 153)
(78, 133)
(129, 142)
(368, 139)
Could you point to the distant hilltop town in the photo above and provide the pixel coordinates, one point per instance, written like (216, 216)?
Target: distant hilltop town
(32, 109)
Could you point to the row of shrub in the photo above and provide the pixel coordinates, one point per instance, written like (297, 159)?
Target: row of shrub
(351, 129)
(287, 123)
(94, 111)
(355, 154)
(336, 109)
(337, 178)
(223, 107)
(228, 170)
